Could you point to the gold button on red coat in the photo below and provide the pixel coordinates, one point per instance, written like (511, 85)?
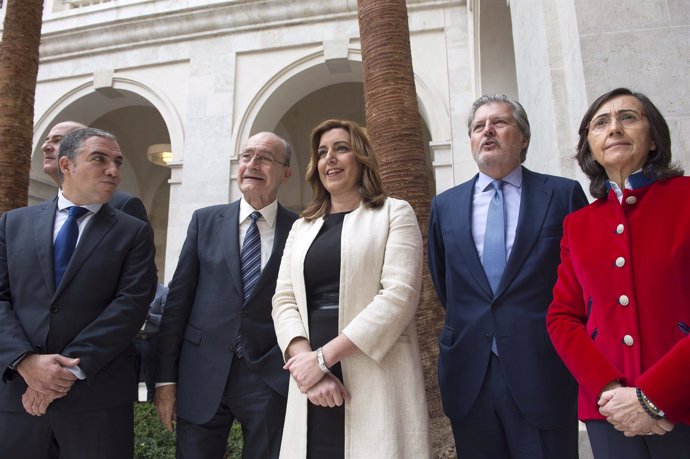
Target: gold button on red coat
(624, 300)
(628, 340)
(631, 200)
(620, 228)
(620, 262)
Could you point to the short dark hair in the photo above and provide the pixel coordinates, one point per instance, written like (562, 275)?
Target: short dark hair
(519, 115)
(657, 165)
(370, 185)
(72, 142)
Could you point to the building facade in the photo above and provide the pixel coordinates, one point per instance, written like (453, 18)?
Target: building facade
(196, 78)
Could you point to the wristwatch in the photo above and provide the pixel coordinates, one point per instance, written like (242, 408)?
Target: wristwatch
(321, 361)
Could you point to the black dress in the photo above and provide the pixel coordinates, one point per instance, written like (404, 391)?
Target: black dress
(325, 425)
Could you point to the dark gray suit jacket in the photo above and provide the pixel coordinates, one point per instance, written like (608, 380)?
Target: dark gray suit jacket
(539, 382)
(129, 204)
(205, 311)
(93, 314)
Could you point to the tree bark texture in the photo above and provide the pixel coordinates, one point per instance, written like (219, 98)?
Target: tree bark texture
(18, 70)
(394, 126)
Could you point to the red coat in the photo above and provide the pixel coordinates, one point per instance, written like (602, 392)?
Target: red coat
(621, 305)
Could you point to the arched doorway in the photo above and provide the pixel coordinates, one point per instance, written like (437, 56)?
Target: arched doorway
(137, 123)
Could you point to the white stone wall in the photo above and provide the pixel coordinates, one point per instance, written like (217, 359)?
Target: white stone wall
(568, 52)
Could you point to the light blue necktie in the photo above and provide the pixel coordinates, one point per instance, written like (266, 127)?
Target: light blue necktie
(66, 241)
(495, 238)
(250, 261)
(495, 242)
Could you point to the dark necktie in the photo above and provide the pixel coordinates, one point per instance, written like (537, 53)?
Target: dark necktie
(66, 241)
(250, 258)
(495, 243)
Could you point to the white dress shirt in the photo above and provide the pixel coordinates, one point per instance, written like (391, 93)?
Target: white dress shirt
(266, 225)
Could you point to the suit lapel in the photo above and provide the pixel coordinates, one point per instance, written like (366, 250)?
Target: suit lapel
(229, 237)
(534, 204)
(45, 221)
(462, 228)
(98, 227)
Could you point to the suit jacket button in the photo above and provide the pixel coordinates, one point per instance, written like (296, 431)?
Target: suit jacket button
(488, 337)
(230, 348)
(54, 309)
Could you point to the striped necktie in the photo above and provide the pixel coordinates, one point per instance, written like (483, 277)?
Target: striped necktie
(250, 258)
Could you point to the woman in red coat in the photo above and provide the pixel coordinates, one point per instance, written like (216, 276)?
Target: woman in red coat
(620, 315)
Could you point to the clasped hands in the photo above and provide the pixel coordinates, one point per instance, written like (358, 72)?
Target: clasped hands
(322, 389)
(623, 410)
(47, 378)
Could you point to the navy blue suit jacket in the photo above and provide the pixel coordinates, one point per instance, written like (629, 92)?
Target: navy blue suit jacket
(541, 385)
(94, 313)
(205, 311)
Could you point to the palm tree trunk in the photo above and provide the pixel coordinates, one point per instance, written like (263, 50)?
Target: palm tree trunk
(394, 126)
(18, 71)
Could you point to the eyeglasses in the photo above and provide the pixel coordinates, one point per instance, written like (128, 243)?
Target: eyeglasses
(259, 159)
(626, 118)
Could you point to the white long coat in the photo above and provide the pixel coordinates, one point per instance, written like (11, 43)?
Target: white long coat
(380, 280)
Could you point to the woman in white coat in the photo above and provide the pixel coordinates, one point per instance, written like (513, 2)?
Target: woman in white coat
(344, 308)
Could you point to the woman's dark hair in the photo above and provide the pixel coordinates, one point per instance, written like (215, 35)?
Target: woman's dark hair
(370, 186)
(657, 165)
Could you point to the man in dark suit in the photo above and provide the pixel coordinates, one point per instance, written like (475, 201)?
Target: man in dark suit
(218, 358)
(68, 316)
(120, 200)
(493, 255)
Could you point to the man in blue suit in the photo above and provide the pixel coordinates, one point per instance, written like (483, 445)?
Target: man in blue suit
(68, 317)
(218, 357)
(493, 256)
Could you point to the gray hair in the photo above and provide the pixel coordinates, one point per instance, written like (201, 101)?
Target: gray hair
(288, 150)
(519, 115)
(71, 144)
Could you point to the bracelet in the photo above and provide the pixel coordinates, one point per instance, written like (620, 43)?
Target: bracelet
(652, 406)
(654, 412)
(320, 360)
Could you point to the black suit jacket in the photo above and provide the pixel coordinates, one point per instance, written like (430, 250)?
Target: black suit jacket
(93, 314)
(205, 311)
(129, 204)
(541, 385)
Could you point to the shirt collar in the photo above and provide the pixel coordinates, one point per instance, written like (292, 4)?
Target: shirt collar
(514, 177)
(269, 212)
(64, 203)
(636, 180)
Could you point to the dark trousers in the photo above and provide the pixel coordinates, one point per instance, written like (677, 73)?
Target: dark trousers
(495, 428)
(259, 410)
(146, 362)
(608, 443)
(107, 434)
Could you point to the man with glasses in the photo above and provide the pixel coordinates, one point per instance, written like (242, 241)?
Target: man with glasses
(218, 359)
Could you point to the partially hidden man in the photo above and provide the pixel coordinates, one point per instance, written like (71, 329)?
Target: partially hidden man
(493, 256)
(76, 279)
(218, 357)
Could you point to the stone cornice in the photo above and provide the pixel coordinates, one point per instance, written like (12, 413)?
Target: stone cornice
(101, 29)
